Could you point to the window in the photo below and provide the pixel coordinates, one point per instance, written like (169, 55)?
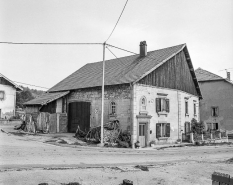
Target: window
(143, 104)
(195, 109)
(187, 128)
(162, 105)
(64, 105)
(212, 126)
(186, 107)
(214, 111)
(162, 130)
(112, 108)
(2, 94)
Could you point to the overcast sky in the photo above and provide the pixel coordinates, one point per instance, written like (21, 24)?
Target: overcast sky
(206, 26)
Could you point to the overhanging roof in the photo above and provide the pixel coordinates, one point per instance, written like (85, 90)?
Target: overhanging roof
(46, 98)
(18, 88)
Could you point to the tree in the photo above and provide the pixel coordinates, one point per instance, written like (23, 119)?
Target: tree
(22, 97)
(197, 127)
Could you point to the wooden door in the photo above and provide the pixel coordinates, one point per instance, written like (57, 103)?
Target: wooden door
(142, 134)
(79, 115)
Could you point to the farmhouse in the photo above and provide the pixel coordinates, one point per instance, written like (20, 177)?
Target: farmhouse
(7, 97)
(217, 104)
(154, 95)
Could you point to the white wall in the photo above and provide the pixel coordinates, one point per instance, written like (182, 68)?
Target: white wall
(7, 105)
(150, 93)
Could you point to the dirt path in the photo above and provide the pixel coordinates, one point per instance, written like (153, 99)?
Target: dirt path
(26, 161)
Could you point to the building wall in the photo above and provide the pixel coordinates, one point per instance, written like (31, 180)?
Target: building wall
(150, 92)
(220, 94)
(7, 105)
(120, 94)
(32, 108)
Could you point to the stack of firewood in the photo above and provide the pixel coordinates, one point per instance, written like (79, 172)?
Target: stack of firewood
(112, 135)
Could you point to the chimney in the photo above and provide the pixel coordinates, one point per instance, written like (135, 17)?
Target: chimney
(228, 75)
(143, 49)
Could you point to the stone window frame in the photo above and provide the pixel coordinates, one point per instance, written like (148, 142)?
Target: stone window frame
(3, 95)
(143, 107)
(216, 112)
(111, 108)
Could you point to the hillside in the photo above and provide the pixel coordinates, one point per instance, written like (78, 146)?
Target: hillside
(26, 95)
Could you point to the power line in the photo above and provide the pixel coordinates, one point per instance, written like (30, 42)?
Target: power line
(122, 49)
(115, 55)
(31, 85)
(51, 43)
(117, 21)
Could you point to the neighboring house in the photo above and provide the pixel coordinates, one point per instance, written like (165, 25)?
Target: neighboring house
(216, 108)
(154, 95)
(7, 97)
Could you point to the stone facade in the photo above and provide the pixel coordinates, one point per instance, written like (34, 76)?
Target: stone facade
(120, 94)
(176, 116)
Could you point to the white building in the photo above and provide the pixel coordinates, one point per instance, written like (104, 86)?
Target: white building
(7, 97)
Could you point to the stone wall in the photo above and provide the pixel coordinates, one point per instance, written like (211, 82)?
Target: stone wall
(120, 94)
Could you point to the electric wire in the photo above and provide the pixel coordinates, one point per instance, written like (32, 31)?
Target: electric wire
(117, 21)
(31, 85)
(115, 56)
(51, 43)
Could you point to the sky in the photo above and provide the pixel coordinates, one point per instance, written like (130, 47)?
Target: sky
(206, 26)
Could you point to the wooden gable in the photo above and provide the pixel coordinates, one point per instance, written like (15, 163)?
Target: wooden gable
(174, 74)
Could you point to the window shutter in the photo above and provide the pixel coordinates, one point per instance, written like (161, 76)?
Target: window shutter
(158, 106)
(168, 130)
(158, 130)
(167, 105)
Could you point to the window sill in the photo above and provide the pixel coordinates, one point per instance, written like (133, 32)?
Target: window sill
(162, 113)
(162, 138)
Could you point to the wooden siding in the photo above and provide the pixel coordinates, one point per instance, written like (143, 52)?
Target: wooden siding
(50, 107)
(173, 74)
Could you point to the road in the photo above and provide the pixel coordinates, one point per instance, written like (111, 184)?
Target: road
(23, 158)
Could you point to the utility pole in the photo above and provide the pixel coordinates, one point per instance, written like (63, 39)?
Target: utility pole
(102, 111)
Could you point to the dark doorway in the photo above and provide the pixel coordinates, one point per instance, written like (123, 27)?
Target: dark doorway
(79, 115)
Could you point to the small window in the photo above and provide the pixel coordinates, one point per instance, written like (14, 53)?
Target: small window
(186, 107)
(143, 104)
(2, 95)
(64, 105)
(214, 111)
(112, 108)
(195, 109)
(162, 130)
(162, 105)
(215, 126)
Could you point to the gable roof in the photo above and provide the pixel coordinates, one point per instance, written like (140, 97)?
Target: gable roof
(117, 71)
(203, 75)
(46, 98)
(18, 88)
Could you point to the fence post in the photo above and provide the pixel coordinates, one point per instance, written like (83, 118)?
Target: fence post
(220, 135)
(202, 138)
(191, 138)
(211, 136)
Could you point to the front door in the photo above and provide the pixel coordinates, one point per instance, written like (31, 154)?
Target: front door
(142, 134)
(79, 115)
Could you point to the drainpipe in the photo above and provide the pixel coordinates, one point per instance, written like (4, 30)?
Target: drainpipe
(132, 114)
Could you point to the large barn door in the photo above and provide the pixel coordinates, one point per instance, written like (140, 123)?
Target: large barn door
(79, 115)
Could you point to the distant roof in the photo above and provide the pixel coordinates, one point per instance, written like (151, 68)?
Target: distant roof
(18, 88)
(46, 98)
(117, 71)
(203, 75)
